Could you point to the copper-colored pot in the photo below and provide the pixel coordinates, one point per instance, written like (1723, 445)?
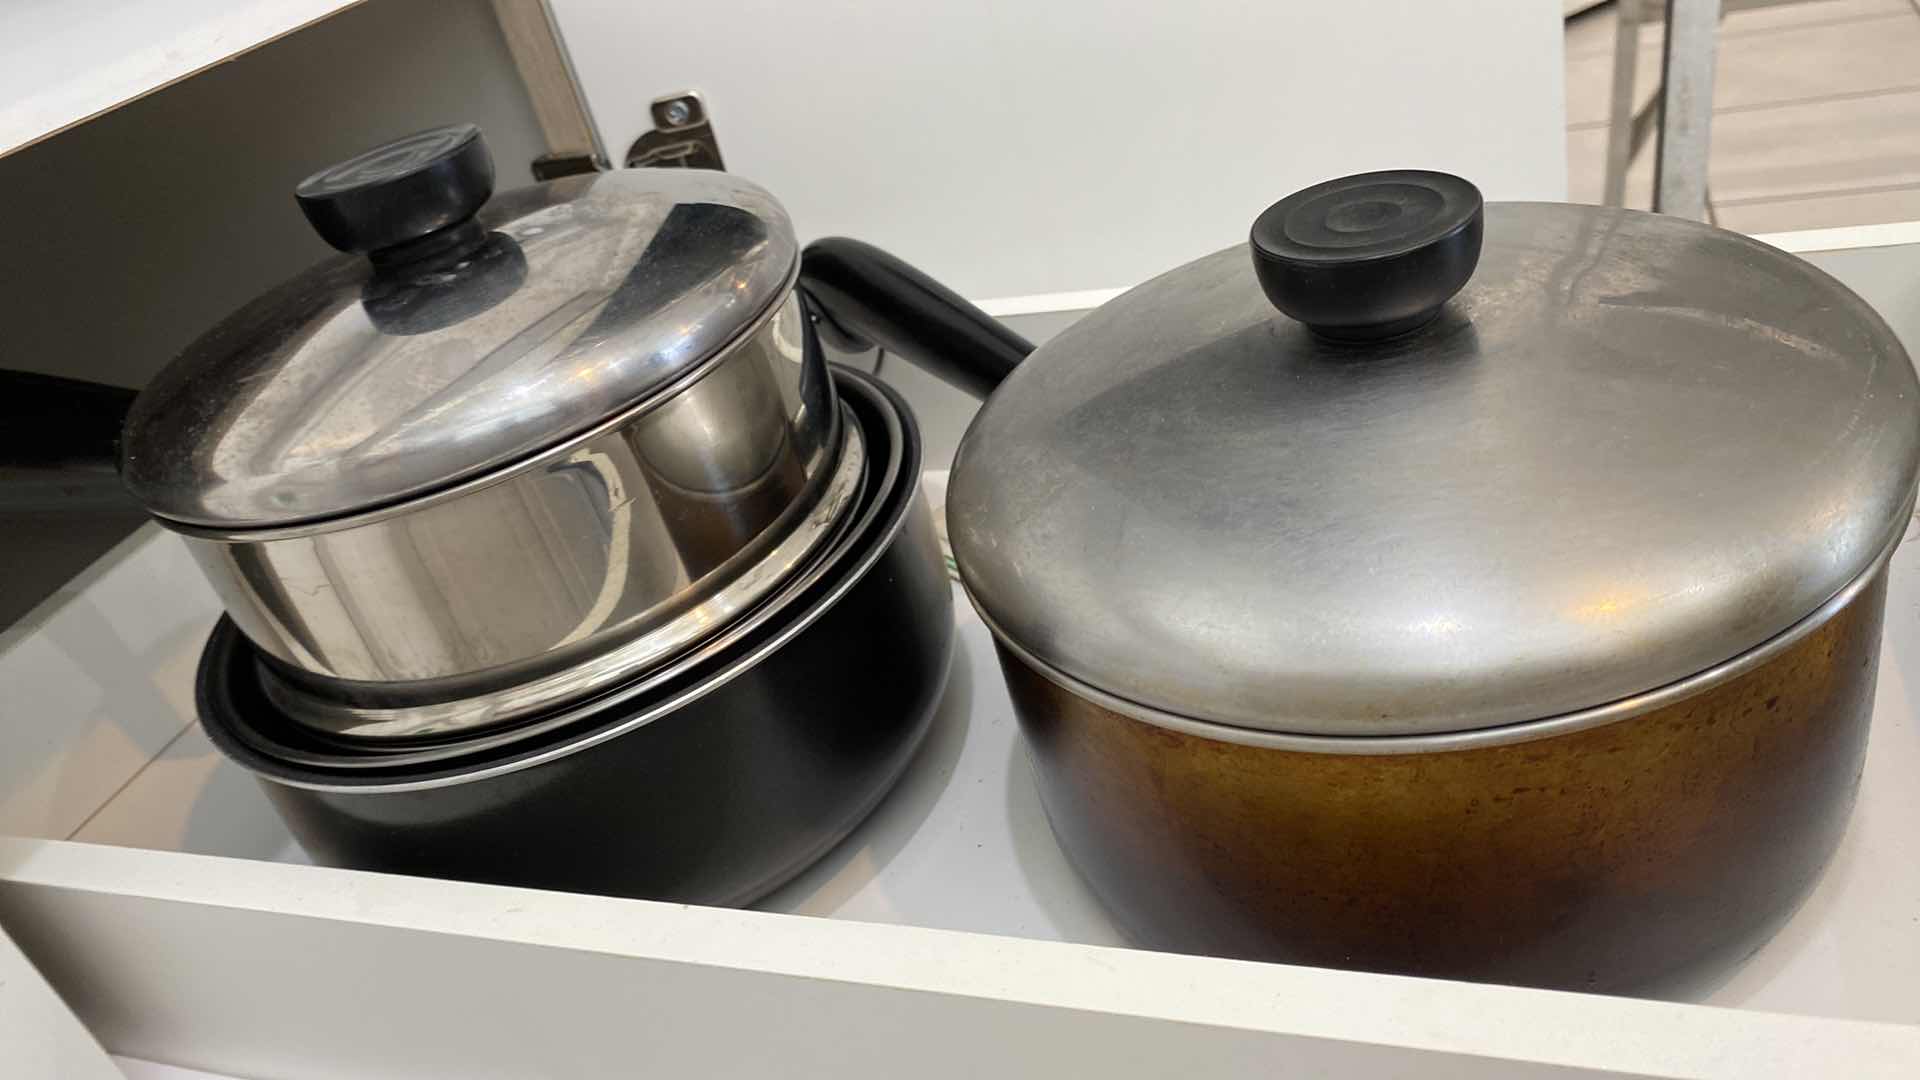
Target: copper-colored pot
(1630, 854)
(1475, 590)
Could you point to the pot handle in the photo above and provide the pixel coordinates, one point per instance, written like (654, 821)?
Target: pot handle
(862, 297)
(62, 442)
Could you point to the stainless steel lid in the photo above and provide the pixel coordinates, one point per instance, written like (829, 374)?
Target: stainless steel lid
(453, 345)
(1631, 448)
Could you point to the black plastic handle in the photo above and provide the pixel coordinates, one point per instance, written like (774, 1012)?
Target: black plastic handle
(61, 442)
(866, 297)
(406, 199)
(1371, 256)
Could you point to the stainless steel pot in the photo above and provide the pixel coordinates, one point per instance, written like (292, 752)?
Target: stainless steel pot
(501, 454)
(712, 784)
(626, 544)
(1503, 606)
(545, 521)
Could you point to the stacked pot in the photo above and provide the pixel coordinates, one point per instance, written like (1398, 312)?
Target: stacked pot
(553, 551)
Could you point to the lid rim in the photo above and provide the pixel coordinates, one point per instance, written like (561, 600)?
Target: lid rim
(458, 484)
(341, 390)
(1599, 714)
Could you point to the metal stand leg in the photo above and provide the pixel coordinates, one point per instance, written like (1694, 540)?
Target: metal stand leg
(1620, 142)
(1680, 161)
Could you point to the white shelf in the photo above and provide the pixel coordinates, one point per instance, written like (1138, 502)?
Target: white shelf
(65, 61)
(39, 1036)
(250, 968)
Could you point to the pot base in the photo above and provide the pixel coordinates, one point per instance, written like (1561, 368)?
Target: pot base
(1633, 857)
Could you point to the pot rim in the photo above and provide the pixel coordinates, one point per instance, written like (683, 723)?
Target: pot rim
(659, 398)
(1471, 738)
(721, 617)
(893, 523)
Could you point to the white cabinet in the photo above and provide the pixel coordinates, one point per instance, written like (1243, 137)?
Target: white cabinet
(1010, 149)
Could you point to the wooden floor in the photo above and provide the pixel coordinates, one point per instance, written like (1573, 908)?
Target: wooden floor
(1816, 118)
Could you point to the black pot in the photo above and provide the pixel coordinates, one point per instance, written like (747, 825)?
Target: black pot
(712, 789)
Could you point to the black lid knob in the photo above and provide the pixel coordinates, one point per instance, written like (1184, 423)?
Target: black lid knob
(1369, 256)
(387, 199)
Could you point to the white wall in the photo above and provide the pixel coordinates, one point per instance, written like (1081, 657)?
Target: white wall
(1032, 146)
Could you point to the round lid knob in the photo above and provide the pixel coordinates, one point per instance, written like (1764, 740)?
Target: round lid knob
(384, 200)
(1369, 256)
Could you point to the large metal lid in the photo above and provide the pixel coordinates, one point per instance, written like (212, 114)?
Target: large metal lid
(455, 344)
(1631, 448)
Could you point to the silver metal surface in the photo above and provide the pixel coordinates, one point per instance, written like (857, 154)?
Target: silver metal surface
(712, 623)
(627, 544)
(1632, 448)
(864, 550)
(340, 392)
(682, 137)
(1477, 738)
(1686, 108)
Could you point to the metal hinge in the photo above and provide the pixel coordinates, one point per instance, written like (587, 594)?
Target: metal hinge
(555, 166)
(682, 137)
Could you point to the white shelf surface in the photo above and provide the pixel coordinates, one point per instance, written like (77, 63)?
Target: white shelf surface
(65, 61)
(962, 843)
